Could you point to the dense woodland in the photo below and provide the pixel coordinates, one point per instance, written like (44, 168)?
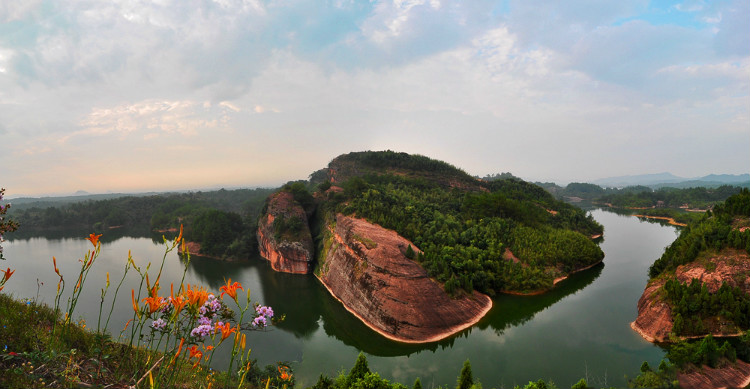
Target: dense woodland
(696, 311)
(643, 196)
(716, 230)
(223, 222)
(464, 233)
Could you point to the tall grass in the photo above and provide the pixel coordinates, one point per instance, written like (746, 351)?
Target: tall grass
(169, 342)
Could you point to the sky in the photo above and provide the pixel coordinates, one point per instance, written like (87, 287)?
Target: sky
(136, 95)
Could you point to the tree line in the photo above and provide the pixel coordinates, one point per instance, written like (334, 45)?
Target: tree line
(463, 234)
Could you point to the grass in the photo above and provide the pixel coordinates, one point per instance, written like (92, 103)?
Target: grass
(32, 357)
(41, 346)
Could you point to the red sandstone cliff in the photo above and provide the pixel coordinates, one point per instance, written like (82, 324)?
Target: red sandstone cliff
(654, 321)
(736, 376)
(365, 267)
(289, 249)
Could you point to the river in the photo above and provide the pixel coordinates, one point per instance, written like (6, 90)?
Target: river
(580, 329)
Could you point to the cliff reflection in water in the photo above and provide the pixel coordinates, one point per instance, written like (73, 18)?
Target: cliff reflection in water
(305, 302)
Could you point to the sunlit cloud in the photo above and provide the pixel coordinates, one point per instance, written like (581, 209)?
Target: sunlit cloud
(186, 118)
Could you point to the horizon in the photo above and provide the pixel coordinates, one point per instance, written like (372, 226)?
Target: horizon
(137, 97)
(83, 192)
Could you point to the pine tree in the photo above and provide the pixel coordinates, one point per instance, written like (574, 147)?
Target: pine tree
(409, 252)
(359, 370)
(417, 384)
(465, 379)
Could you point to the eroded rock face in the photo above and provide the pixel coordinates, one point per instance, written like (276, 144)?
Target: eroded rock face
(654, 321)
(365, 267)
(736, 376)
(731, 266)
(290, 251)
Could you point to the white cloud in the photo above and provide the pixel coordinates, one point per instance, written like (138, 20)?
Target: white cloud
(186, 118)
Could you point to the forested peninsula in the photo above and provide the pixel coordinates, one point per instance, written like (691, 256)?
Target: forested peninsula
(699, 289)
(384, 222)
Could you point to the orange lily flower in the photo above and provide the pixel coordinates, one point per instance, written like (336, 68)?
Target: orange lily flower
(230, 289)
(54, 263)
(135, 305)
(196, 297)
(94, 239)
(179, 350)
(225, 329)
(284, 371)
(195, 352)
(179, 237)
(90, 260)
(152, 291)
(154, 303)
(7, 274)
(179, 302)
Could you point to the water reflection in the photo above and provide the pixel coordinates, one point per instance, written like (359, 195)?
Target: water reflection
(510, 311)
(305, 301)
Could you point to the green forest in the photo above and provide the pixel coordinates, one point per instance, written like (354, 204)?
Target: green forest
(463, 226)
(640, 196)
(223, 222)
(695, 309)
(716, 230)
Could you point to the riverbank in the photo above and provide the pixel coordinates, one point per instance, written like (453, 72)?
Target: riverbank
(668, 219)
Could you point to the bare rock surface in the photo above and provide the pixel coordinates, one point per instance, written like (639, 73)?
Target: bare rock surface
(735, 376)
(289, 254)
(365, 267)
(654, 321)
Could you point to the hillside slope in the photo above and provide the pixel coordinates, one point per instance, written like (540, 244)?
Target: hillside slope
(460, 239)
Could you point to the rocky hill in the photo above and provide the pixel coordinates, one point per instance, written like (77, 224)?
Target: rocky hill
(414, 246)
(701, 284)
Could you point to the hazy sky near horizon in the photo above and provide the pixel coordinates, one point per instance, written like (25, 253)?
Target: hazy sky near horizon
(136, 95)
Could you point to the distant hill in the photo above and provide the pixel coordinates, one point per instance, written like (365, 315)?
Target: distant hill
(659, 180)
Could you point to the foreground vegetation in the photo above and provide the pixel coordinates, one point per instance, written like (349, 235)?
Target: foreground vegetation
(169, 342)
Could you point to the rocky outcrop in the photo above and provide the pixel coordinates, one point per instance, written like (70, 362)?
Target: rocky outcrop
(366, 268)
(654, 321)
(284, 237)
(734, 376)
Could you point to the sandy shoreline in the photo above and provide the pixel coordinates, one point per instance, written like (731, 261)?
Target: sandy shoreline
(448, 332)
(642, 333)
(669, 219)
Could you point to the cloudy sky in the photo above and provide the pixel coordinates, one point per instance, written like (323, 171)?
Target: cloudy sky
(137, 95)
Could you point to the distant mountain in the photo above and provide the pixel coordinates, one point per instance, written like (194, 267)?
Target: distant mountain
(641, 179)
(726, 178)
(660, 180)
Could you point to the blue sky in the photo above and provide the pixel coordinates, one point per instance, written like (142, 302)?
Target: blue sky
(135, 95)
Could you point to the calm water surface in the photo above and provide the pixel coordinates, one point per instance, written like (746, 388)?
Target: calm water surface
(580, 329)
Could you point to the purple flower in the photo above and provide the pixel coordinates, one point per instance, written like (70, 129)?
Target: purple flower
(264, 311)
(204, 321)
(158, 324)
(202, 330)
(259, 321)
